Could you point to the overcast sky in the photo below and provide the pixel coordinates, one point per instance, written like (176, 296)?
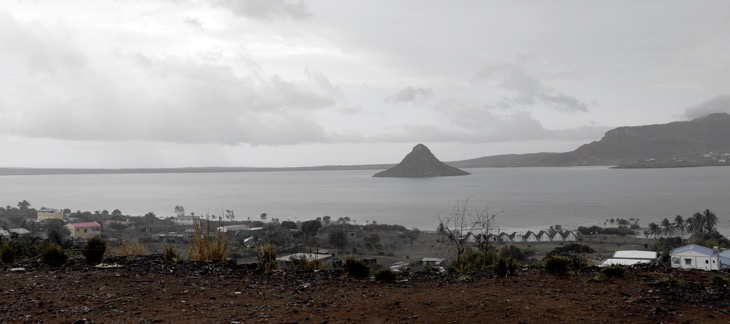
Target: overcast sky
(172, 83)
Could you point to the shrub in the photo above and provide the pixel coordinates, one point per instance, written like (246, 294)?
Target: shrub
(266, 256)
(53, 255)
(473, 261)
(385, 275)
(169, 254)
(204, 247)
(666, 281)
(355, 268)
(614, 271)
(557, 265)
(7, 252)
(719, 281)
(94, 249)
(505, 267)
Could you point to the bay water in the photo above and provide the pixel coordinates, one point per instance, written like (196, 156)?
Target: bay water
(522, 198)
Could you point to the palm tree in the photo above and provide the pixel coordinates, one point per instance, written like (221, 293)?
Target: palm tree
(695, 224)
(667, 228)
(654, 229)
(680, 225)
(710, 220)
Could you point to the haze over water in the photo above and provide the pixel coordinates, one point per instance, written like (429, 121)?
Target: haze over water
(522, 198)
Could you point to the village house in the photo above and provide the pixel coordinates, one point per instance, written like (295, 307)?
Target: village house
(84, 230)
(568, 236)
(529, 237)
(433, 262)
(543, 236)
(695, 257)
(504, 238)
(49, 213)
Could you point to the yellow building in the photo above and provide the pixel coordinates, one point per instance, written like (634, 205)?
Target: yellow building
(49, 213)
(84, 230)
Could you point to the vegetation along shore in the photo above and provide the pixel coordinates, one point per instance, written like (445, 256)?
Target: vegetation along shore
(60, 266)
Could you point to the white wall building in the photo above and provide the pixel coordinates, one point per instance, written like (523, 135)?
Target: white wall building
(695, 257)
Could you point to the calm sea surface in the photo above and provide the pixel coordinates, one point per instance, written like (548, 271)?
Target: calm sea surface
(523, 198)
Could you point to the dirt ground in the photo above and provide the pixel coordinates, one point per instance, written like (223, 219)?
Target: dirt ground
(147, 290)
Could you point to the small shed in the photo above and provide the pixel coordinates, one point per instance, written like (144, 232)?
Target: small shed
(434, 262)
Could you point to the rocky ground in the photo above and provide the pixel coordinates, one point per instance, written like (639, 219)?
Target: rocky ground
(147, 290)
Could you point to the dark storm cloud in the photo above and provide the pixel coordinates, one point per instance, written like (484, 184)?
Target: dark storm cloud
(410, 94)
(266, 9)
(719, 104)
(528, 90)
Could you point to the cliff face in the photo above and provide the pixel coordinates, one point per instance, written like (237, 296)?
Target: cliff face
(421, 163)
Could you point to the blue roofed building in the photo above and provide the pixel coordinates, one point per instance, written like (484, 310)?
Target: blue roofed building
(695, 256)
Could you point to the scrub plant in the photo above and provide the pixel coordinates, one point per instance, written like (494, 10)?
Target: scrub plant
(206, 247)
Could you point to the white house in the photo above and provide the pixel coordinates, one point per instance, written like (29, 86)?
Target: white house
(504, 237)
(529, 237)
(695, 257)
(185, 220)
(543, 236)
(568, 236)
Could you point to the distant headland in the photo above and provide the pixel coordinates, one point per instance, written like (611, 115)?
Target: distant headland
(704, 141)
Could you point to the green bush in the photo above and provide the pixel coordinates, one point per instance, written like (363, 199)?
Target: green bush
(53, 255)
(505, 267)
(385, 275)
(94, 250)
(169, 254)
(355, 268)
(614, 271)
(473, 261)
(266, 256)
(557, 265)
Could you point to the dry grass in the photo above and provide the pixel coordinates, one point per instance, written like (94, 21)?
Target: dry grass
(204, 247)
(128, 249)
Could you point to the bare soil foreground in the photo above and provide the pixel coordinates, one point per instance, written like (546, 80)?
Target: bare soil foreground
(146, 290)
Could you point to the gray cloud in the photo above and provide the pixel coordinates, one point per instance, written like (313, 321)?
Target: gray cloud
(267, 9)
(719, 104)
(31, 43)
(527, 89)
(410, 94)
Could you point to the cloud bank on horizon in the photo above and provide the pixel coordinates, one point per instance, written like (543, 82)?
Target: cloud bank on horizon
(166, 83)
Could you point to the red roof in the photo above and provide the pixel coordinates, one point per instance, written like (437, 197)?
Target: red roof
(89, 224)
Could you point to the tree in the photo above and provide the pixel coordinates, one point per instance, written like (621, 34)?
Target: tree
(654, 230)
(710, 220)
(667, 228)
(338, 239)
(464, 222)
(326, 220)
(288, 225)
(179, 210)
(230, 215)
(680, 225)
(23, 205)
(263, 216)
(310, 228)
(695, 224)
(116, 213)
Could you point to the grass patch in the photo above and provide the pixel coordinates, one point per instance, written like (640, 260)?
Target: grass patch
(129, 250)
(614, 271)
(266, 256)
(206, 247)
(385, 275)
(170, 255)
(53, 255)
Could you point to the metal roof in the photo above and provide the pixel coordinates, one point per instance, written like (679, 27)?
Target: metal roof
(635, 254)
(87, 224)
(626, 262)
(694, 248)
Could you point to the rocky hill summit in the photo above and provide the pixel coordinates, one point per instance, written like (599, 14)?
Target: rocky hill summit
(421, 163)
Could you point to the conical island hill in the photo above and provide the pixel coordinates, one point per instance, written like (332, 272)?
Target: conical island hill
(420, 163)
